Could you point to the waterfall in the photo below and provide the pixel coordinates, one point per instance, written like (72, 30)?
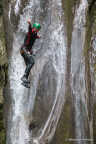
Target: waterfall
(78, 70)
(50, 49)
(45, 99)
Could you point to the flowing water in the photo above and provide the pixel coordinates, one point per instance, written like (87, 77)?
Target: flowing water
(78, 70)
(78, 74)
(50, 49)
(48, 75)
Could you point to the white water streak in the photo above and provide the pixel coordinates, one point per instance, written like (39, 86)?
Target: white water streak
(77, 69)
(28, 12)
(17, 7)
(80, 16)
(9, 11)
(19, 130)
(58, 60)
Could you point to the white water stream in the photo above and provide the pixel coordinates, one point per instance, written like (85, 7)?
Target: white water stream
(78, 71)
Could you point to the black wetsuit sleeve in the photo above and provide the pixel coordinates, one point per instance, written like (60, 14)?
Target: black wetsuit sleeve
(29, 31)
(26, 37)
(29, 28)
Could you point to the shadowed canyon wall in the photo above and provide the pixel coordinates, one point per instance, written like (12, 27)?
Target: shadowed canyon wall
(59, 107)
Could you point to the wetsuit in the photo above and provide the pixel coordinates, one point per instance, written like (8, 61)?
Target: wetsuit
(26, 49)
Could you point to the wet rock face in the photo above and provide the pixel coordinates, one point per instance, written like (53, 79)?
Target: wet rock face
(45, 95)
(1, 8)
(12, 10)
(2, 129)
(91, 63)
(3, 74)
(3, 55)
(91, 4)
(43, 101)
(8, 27)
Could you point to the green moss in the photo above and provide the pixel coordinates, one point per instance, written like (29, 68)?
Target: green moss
(3, 54)
(2, 137)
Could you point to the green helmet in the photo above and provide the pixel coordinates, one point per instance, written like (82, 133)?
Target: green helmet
(37, 26)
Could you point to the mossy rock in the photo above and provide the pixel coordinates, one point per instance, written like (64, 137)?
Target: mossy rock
(3, 54)
(3, 75)
(2, 78)
(2, 137)
(2, 130)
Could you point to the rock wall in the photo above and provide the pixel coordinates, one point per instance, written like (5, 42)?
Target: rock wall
(3, 74)
(50, 89)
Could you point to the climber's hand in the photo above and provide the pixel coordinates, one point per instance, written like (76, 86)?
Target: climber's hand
(28, 52)
(29, 21)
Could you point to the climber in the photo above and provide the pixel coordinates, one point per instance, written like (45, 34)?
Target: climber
(26, 50)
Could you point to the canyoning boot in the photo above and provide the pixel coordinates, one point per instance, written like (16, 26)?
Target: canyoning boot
(27, 85)
(33, 124)
(25, 82)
